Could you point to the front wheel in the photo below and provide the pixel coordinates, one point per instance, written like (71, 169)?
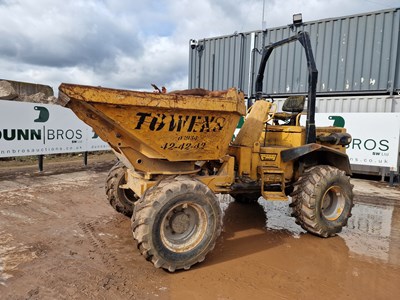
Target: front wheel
(322, 200)
(176, 223)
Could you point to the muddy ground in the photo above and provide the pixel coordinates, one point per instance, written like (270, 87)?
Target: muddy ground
(59, 239)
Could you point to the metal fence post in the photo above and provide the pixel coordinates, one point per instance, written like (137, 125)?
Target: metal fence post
(40, 162)
(85, 158)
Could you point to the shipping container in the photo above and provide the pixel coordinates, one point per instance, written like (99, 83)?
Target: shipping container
(355, 55)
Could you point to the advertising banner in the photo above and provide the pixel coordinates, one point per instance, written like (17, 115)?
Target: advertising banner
(35, 128)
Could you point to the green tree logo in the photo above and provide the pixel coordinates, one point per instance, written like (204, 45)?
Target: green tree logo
(43, 114)
(338, 121)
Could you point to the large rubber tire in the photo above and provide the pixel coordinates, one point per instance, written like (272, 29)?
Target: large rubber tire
(122, 200)
(322, 200)
(246, 198)
(176, 223)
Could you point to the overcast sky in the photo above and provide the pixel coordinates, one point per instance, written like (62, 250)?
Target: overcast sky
(130, 44)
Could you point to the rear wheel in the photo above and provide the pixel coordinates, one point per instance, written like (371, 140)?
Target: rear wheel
(322, 200)
(176, 223)
(122, 200)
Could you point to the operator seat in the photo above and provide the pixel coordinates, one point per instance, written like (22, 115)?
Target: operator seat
(292, 107)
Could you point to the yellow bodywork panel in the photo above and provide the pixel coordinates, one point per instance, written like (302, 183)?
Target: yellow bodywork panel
(270, 157)
(285, 136)
(253, 125)
(243, 157)
(154, 126)
(218, 183)
(294, 136)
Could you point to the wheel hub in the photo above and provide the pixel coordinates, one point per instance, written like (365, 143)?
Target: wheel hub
(183, 227)
(333, 203)
(180, 222)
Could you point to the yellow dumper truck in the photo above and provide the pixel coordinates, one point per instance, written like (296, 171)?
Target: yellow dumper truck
(176, 153)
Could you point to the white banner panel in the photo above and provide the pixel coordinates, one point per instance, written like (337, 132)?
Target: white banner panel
(375, 136)
(35, 128)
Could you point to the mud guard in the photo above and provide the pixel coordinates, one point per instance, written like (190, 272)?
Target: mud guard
(318, 153)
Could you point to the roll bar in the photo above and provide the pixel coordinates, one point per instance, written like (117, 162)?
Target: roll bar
(304, 39)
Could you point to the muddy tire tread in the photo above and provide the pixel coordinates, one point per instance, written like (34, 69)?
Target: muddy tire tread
(145, 211)
(304, 200)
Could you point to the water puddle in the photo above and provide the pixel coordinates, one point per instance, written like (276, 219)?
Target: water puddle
(373, 231)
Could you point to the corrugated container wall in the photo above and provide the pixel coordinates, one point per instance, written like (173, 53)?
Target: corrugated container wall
(354, 55)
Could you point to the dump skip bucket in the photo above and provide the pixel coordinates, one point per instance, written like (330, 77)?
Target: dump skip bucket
(169, 126)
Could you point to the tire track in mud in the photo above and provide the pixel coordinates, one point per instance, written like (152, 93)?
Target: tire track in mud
(113, 277)
(118, 277)
(89, 259)
(98, 244)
